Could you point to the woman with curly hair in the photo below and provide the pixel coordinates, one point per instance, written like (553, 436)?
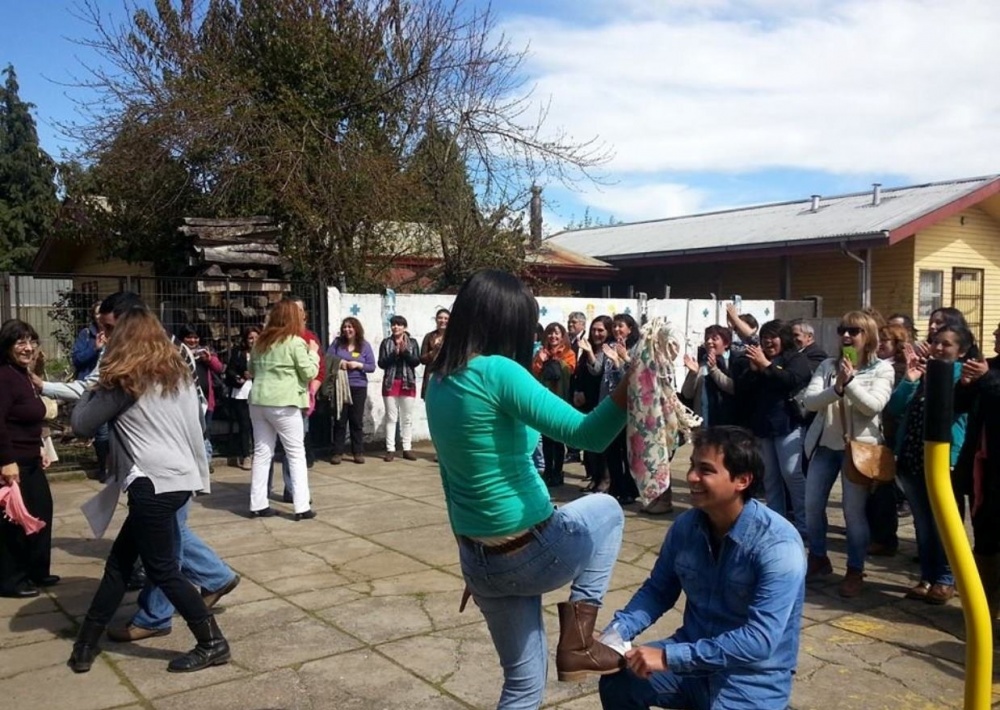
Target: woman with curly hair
(147, 394)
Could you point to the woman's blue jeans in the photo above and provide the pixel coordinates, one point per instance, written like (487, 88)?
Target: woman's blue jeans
(824, 467)
(578, 547)
(783, 469)
(934, 567)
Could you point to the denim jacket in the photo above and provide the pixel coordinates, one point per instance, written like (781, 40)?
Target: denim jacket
(743, 611)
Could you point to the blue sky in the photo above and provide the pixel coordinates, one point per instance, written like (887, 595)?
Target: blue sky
(703, 104)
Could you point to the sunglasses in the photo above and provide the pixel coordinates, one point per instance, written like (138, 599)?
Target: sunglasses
(852, 331)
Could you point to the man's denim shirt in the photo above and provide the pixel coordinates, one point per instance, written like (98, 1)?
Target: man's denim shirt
(743, 612)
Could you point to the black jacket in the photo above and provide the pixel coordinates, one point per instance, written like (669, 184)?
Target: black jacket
(981, 400)
(766, 394)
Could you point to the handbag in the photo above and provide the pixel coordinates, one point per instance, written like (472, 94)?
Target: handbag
(865, 464)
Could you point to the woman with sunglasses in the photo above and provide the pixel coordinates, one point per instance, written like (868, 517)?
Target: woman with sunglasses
(863, 383)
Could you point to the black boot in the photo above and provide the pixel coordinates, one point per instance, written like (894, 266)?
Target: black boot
(212, 649)
(85, 649)
(136, 580)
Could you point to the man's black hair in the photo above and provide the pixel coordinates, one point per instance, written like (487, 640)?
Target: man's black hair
(120, 302)
(494, 314)
(739, 453)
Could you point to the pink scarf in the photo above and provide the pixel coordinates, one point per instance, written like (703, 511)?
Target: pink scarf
(16, 512)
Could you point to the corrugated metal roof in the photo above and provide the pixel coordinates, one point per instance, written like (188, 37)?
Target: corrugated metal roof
(846, 217)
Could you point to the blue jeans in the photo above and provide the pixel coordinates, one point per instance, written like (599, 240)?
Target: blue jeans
(209, 451)
(934, 567)
(783, 468)
(199, 565)
(732, 691)
(579, 547)
(824, 467)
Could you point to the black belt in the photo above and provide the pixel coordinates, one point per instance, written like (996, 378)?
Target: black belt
(511, 545)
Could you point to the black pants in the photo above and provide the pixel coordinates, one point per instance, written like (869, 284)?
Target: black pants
(596, 466)
(883, 518)
(554, 453)
(27, 557)
(353, 417)
(622, 483)
(241, 410)
(149, 533)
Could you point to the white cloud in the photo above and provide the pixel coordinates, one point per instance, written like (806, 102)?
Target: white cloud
(903, 87)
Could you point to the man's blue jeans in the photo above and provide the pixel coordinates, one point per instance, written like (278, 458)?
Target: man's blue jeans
(783, 469)
(578, 547)
(199, 565)
(934, 567)
(732, 691)
(824, 467)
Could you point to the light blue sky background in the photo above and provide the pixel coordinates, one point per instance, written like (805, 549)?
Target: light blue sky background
(704, 104)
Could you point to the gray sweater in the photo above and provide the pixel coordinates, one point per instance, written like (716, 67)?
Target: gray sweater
(160, 434)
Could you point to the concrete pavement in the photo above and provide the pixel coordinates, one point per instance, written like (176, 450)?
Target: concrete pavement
(359, 609)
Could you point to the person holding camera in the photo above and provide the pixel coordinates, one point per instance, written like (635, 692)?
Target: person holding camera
(863, 383)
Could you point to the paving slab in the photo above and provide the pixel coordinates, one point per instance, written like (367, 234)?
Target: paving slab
(358, 609)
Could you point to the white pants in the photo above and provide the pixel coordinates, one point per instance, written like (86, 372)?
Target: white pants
(401, 409)
(268, 424)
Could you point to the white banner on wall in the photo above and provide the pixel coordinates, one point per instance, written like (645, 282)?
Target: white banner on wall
(690, 317)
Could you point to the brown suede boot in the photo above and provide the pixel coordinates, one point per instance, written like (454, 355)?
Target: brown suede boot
(579, 654)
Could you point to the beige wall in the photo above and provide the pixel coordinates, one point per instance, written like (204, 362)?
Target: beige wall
(971, 240)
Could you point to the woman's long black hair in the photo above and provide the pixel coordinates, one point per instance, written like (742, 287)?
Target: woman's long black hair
(494, 314)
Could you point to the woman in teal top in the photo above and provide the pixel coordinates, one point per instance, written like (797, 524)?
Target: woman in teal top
(485, 411)
(281, 365)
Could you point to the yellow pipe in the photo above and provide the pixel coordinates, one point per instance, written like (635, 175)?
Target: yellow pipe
(978, 625)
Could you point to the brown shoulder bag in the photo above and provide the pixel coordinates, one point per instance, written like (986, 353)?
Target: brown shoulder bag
(865, 464)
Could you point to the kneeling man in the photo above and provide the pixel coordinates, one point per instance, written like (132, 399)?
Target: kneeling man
(742, 568)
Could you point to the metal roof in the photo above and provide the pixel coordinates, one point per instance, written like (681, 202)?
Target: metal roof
(850, 217)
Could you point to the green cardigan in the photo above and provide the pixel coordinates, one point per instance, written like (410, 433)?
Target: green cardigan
(281, 375)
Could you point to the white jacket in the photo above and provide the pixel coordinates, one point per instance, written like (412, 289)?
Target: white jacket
(865, 396)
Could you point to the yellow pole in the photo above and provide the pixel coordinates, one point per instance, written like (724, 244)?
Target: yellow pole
(937, 465)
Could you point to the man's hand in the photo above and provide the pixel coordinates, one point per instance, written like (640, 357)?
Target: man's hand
(644, 661)
(972, 370)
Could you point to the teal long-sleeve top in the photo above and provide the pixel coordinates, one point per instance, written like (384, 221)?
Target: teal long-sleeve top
(484, 421)
(899, 406)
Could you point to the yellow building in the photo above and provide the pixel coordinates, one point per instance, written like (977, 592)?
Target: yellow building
(907, 250)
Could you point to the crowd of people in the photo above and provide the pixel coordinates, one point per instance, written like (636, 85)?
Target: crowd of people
(505, 397)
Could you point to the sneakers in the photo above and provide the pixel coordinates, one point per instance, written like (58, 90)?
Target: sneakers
(852, 584)
(818, 566)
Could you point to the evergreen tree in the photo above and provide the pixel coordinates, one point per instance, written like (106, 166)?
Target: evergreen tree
(28, 201)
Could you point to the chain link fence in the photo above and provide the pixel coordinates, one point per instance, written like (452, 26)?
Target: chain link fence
(60, 306)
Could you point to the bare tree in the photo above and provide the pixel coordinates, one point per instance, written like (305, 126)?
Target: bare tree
(314, 111)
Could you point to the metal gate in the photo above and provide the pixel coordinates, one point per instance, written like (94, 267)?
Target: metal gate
(967, 296)
(59, 306)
